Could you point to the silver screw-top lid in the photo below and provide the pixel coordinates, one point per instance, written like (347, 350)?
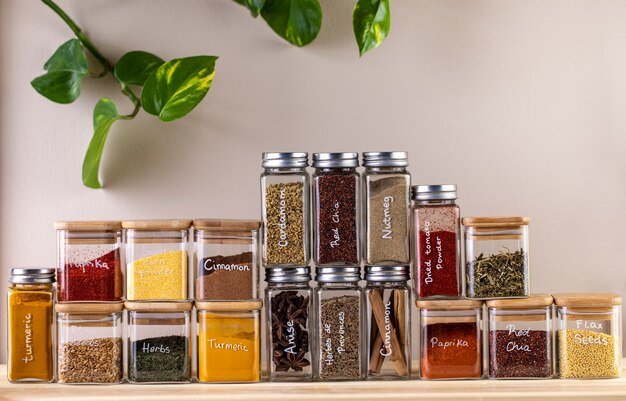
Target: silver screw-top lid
(434, 192)
(388, 273)
(32, 275)
(336, 160)
(338, 274)
(288, 275)
(385, 159)
(285, 159)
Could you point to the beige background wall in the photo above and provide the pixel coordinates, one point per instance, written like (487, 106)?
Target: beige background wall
(521, 103)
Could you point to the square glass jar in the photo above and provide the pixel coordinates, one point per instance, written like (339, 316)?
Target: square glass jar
(229, 341)
(451, 339)
(496, 257)
(226, 260)
(520, 338)
(157, 261)
(159, 342)
(89, 343)
(588, 335)
(89, 265)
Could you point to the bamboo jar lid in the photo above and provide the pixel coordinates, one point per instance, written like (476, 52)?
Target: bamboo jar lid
(157, 225)
(226, 225)
(93, 225)
(229, 306)
(449, 304)
(158, 306)
(89, 307)
(509, 221)
(533, 301)
(587, 299)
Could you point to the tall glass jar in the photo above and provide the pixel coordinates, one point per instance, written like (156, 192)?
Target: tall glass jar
(89, 343)
(386, 213)
(339, 314)
(436, 242)
(336, 209)
(229, 341)
(451, 339)
(520, 337)
(496, 255)
(290, 331)
(226, 260)
(285, 209)
(159, 342)
(388, 324)
(156, 257)
(589, 335)
(89, 266)
(30, 325)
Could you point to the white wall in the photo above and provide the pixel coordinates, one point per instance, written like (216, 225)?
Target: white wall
(521, 103)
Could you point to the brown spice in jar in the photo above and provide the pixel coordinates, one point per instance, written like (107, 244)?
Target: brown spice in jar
(226, 278)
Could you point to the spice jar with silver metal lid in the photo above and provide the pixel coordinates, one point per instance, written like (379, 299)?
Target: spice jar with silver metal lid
(289, 307)
(285, 209)
(436, 241)
(386, 186)
(338, 307)
(30, 317)
(387, 322)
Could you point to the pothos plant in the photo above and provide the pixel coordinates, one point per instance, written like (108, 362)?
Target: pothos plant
(170, 90)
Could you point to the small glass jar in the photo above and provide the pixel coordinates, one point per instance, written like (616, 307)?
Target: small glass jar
(159, 342)
(387, 322)
(589, 335)
(386, 198)
(451, 339)
(339, 310)
(89, 343)
(520, 338)
(336, 209)
(30, 325)
(288, 305)
(156, 257)
(436, 241)
(496, 255)
(89, 261)
(226, 260)
(285, 209)
(229, 341)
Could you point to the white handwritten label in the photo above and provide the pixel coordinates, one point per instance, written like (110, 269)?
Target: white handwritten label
(291, 337)
(589, 325)
(282, 220)
(387, 232)
(239, 347)
(211, 265)
(457, 342)
(514, 346)
(28, 338)
(386, 350)
(154, 349)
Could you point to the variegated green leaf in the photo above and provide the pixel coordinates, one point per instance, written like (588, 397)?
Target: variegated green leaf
(104, 115)
(371, 22)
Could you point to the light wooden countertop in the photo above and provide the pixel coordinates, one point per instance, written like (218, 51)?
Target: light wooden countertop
(518, 390)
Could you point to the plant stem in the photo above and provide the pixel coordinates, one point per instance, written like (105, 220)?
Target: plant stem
(133, 98)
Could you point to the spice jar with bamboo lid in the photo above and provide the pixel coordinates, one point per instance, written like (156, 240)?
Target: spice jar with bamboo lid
(159, 342)
(156, 256)
(30, 316)
(226, 260)
(89, 266)
(588, 335)
(451, 339)
(89, 343)
(339, 307)
(497, 258)
(387, 322)
(520, 337)
(229, 341)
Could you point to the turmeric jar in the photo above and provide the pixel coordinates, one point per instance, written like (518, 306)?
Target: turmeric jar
(31, 295)
(229, 338)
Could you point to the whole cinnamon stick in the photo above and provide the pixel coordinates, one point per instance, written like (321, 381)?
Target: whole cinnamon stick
(396, 356)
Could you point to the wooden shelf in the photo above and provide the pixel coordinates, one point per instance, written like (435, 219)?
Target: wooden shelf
(518, 390)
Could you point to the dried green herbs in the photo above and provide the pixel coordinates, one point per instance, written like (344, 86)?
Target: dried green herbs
(159, 359)
(504, 274)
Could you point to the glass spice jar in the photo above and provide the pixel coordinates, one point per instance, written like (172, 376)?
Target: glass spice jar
(288, 306)
(89, 267)
(285, 209)
(226, 260)
(496, 255)
(89, 343)
(386, 199)
(520, 337)
(30, 318)
(338, 307)
(156, 257)
(588, 335)
(229, 341)
(159, 342)
(451, 340)
(387, 322)
(336, 209)
(437, 241)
